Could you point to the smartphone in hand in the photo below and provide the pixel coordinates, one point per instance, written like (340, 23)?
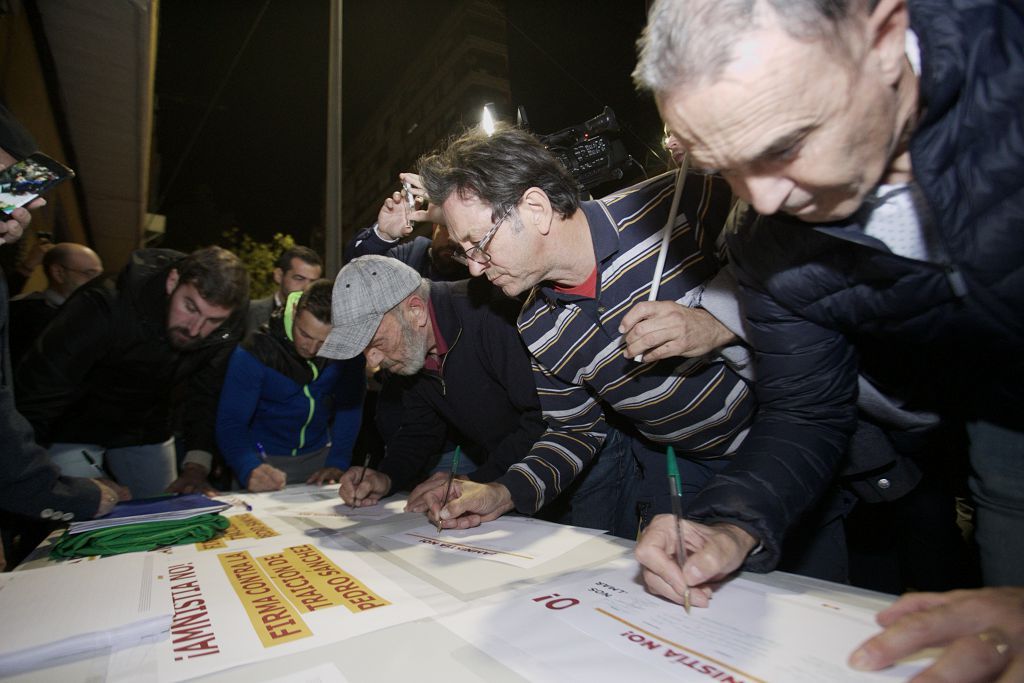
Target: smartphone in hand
(22, 182)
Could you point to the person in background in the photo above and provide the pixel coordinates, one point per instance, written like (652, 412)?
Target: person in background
(434, 258)
(286, 414)
(878, 146)
(294, 269)
(67, 266)
(98, 382)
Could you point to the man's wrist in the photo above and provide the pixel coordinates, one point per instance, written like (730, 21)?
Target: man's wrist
(505, 503)
(383, 237)
(746, 541)
(194, 470)
(200, 458)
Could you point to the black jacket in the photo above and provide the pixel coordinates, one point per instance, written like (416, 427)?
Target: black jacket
(485, 389)
(29, 483)
(30, 314)
(103, 371)
(822, 302)
(414, 253)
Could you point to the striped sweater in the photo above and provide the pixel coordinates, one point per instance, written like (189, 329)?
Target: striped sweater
(698, 405)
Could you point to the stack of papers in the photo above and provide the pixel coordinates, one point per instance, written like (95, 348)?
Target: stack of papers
(102, 605)
(152, 510)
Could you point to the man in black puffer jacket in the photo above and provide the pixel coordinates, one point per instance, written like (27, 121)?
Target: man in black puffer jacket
(100, 377)
(894, 128)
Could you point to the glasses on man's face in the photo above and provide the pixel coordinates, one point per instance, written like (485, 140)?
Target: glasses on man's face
(478, 252)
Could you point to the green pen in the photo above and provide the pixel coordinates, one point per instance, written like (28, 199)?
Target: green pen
(675, 490)
(448, 487)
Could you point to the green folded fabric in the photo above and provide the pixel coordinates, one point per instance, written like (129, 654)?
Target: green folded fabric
(131, 538)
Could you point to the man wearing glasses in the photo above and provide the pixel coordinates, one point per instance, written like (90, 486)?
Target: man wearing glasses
(67, 266)
(588, 268)
(517, 214)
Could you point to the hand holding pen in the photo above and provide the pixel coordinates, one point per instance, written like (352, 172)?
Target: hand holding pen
(375, 485)
(675, 491)
(448, 486)
(265, 477)
(362, 475)
(716, 551)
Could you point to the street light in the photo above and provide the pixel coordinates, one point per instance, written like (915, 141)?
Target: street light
(487, 119)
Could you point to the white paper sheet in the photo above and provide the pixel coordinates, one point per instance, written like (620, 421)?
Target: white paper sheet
(299, 494)
(110, 603)
(285, 595)
(316, 503)
(602, 626)
(519, 541)
(325, 673)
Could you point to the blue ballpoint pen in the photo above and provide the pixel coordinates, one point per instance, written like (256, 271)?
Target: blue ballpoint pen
(675, 490)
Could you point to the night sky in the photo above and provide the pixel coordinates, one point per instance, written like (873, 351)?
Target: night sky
(241, 143)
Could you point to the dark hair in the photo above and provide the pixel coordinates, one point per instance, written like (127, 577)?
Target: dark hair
(284, 261)
(56, 255)
(219, 276)
(317, 300)
(498, 168)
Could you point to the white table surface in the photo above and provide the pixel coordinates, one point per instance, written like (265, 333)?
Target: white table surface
(424, 650)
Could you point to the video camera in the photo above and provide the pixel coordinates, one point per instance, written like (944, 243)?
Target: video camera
(588, 150)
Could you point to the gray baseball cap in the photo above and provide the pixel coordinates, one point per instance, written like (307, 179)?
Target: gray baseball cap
(365, 289)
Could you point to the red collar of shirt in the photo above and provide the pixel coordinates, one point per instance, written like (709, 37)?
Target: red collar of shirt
(587, 288)
(434, 361)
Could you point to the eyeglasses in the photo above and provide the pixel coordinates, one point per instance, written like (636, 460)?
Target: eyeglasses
(477, 253)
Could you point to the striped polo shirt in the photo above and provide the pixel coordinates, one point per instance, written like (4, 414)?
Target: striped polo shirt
(698, 405)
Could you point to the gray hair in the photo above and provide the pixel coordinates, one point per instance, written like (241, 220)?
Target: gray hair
(422, 291)
(686, 41)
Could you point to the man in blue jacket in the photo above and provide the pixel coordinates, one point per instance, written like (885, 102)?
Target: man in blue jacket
(890, 133)
(285, 413)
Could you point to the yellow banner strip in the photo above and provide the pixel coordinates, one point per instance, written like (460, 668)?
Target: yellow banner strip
(272, 617)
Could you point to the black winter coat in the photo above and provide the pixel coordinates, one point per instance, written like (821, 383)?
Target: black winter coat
(822, 302)
(103, 371)
(485, 390)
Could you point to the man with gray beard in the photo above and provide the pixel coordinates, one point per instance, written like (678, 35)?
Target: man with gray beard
(455, 349)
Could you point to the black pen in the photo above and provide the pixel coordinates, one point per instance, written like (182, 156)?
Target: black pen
(362, 473)
(448, 487)
(89, 459)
